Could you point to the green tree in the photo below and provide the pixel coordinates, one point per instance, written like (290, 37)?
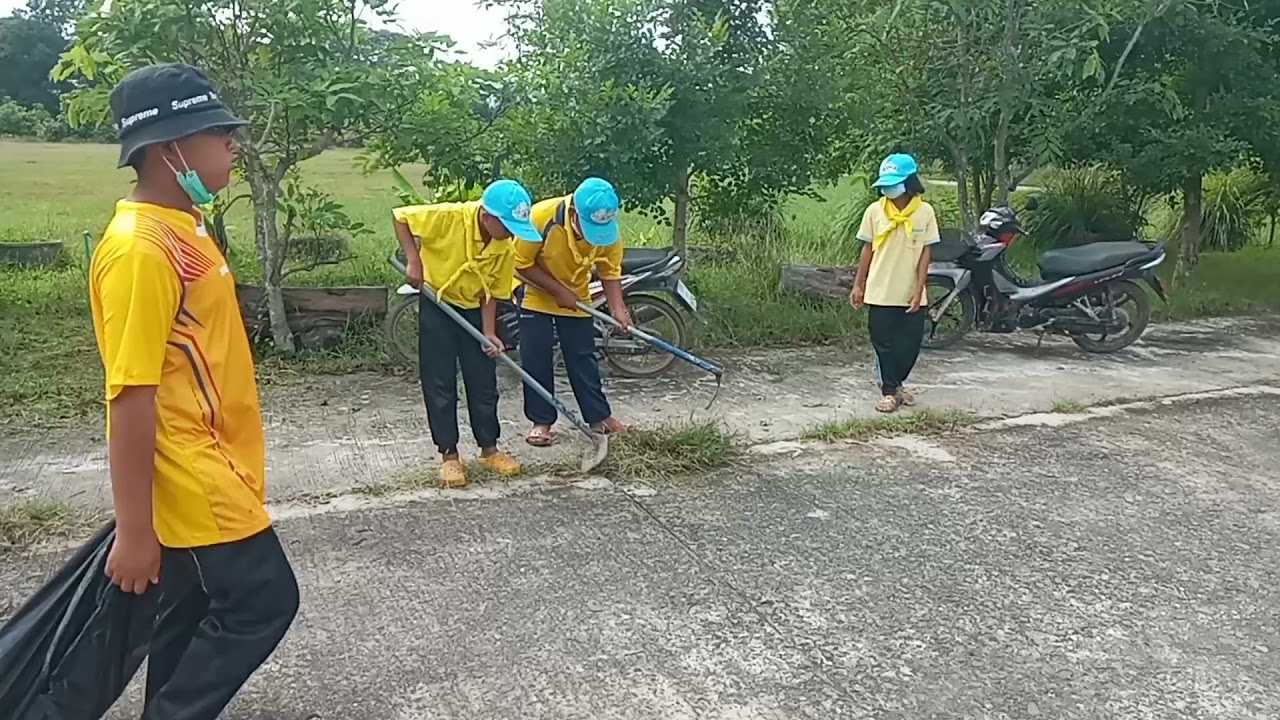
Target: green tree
(307, 74)
(454, 127)
(59, 14)
(977, 85)
(794, 110)
(29, 49)
(1202, 94)
(649, 93)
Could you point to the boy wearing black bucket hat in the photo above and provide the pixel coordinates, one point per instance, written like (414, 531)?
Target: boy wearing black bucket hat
(184, 428)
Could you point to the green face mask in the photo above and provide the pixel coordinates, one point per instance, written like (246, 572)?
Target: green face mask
(190, 182)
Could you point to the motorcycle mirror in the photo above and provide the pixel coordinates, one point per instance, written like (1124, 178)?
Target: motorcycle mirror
(1033, 202)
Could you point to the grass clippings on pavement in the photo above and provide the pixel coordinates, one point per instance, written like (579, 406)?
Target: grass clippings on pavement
(26, 523)
(924, 421)
(661, 453)
(669, 451)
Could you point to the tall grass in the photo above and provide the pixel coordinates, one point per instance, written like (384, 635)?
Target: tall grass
(1082, 205)
(1233, 209)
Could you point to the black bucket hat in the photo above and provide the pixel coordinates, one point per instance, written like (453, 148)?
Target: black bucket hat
(161, 103)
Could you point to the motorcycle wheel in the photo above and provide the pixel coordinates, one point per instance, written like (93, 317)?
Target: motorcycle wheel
(955, 323)
(400, 330)
(635, 358)
(1135, 316)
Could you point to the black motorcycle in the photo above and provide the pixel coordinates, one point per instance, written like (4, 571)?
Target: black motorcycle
(1089, 293)
(657, 299)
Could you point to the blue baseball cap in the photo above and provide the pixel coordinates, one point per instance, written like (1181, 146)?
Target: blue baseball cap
(508, 201)
(596, 204)
(895, 170)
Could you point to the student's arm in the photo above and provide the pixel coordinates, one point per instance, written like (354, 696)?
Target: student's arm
(858, 294)
(489, 326)
(866, 233)
(922, 278)
(500, 282)
(931, 237)
(135, 558)
(140, 294)
(532, 272)
(413, 272)
(609, 266)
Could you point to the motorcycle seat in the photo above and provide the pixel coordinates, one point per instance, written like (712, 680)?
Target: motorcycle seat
(637, 259)
(950, 247)
(1091, 258)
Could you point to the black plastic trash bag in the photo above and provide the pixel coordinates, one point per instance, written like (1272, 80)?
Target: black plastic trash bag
(70, 651)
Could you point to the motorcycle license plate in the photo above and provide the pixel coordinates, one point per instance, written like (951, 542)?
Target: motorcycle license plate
(686, 295)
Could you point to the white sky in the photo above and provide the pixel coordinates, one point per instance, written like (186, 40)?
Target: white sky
(463, 20)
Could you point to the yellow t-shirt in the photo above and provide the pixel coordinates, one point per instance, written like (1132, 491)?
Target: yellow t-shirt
(165, 314)
(457, 263)
(892, 276)
(567, 257)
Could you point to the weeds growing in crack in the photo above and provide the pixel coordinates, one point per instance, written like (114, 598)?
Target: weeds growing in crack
(1068, 406)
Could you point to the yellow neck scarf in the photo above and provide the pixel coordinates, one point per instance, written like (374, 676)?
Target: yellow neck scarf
(580, 262)
(472, 265)
(896, 218)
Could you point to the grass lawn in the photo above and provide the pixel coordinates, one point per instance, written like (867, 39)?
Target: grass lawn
(50, 366)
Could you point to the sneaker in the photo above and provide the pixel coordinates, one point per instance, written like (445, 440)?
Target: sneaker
(501, 463)
(452, 474)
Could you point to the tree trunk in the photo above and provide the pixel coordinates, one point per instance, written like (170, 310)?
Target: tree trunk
(265, 191)
(1271, 228)
(987, 197)
(1011, 66)
(1003, 178)
(680, 221)
(975, 193)
(818, 282)
(1192, 220)
(968, 220)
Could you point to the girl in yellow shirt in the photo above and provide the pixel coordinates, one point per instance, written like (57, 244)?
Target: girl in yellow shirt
(897, 231)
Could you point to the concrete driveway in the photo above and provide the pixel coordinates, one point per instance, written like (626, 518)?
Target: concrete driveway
(334, 434)
(1119, 566)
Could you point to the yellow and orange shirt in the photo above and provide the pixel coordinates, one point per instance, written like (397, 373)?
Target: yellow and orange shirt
(569, 258)
(165, 314)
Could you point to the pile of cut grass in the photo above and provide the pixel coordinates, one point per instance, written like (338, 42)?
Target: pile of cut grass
(925, 421)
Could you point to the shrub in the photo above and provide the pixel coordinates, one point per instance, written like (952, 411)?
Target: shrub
(36, 123)
(1233, 208)
(849, 216)
(1082, 205)
(20, 121)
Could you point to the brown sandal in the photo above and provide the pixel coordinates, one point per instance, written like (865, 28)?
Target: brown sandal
(887, 404)
(540, 436)
(610, 426)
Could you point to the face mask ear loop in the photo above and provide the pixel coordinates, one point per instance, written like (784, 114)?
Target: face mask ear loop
(171, 167)
(185, 166)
